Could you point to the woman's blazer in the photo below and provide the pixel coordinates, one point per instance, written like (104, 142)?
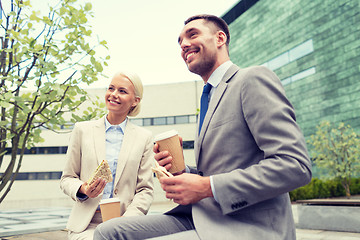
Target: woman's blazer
(133, 183)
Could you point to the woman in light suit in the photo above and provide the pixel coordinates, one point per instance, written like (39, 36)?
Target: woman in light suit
(126, 147)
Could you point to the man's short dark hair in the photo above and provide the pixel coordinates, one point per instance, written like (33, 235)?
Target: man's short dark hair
(219, 22)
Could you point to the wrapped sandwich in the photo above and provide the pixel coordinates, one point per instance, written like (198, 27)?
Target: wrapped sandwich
(102, 171)
(160, 171)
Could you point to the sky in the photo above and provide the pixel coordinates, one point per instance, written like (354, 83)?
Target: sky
(142, 36)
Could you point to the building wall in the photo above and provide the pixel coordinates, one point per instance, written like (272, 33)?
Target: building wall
(324, 83)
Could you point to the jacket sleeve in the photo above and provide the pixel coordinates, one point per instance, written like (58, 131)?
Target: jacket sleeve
(70, 180)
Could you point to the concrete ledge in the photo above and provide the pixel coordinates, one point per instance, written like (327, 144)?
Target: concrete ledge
(328, 217)
(332, 202)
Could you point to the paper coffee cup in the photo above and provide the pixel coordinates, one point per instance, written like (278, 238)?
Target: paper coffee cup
(110, 208)
(170, 141)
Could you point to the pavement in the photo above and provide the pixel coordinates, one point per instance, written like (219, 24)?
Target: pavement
(24, 222)
(49, 224)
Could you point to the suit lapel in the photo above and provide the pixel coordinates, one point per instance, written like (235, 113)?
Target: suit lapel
(99, 139)
(128, 142)
(215, 100)
(212, 107)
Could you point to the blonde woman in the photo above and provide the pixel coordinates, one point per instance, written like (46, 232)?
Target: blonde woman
(126, 147)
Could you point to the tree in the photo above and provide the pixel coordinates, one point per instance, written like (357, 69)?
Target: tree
(43, 59)
(336, 150)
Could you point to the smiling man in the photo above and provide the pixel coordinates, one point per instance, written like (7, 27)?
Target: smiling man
(249, 151)
(204, 47)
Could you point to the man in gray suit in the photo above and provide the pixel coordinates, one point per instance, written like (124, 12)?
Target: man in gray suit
(250, 153)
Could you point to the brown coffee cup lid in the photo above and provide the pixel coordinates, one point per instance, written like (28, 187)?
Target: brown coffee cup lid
(165, 135)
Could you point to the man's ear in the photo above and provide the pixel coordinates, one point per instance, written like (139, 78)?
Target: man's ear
(221, 38)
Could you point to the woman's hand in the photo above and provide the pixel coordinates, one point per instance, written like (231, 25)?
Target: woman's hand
(93, 190)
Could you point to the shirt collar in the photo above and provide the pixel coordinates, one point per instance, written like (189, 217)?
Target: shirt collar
(219, 73)
(121, 125)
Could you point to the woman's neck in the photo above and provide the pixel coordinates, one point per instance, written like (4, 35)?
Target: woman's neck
(115, 119)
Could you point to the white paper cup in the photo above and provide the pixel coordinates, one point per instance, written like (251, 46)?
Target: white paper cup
(110, 208)
(170, 141)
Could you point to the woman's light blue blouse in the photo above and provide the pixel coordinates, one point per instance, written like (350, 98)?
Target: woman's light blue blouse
(114, 135)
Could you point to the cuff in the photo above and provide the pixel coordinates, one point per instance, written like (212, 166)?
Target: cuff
(81, 197)
(213, 188)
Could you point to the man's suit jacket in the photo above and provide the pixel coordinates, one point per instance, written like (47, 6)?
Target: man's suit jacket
(133, 181)
(256, 153)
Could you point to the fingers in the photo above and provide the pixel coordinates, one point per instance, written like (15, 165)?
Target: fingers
(164, 159)
(83, 188)
(186, 188)
(176, 194)
(156, 148)
(161, 155)
(101, 185)
(172, 185)
(96, 188)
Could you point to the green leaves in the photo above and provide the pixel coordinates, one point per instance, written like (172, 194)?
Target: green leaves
(88, 7)
(6, 99)
(34, 16)
(45, 58)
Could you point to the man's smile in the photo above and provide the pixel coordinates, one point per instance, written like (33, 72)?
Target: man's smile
(190, 53)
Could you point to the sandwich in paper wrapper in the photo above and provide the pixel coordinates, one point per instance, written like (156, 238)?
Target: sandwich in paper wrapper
(160, 171)
(102, 171)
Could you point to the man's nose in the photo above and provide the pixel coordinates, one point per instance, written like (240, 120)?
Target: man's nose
(184, 44)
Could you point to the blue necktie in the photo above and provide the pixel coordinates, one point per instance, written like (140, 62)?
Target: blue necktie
(204, 103)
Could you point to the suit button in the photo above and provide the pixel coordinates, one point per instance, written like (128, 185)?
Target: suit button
(239, 205)
(201, 173)
(116, 191)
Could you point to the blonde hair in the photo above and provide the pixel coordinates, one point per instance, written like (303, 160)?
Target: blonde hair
(138, 86)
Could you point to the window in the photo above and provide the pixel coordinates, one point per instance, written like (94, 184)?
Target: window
(291, 55)
(181, 119)
(170, 120)
(43, 176)
(303, 74)
(192, 119)
(31, 176)
(48, 150)
(298, 76)
(38, 176)
(138, 121)
(188, 144)
(279, 61)
(160, 121)
(147, 121)
(55, 175)
(41, 150)
(301, 50)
